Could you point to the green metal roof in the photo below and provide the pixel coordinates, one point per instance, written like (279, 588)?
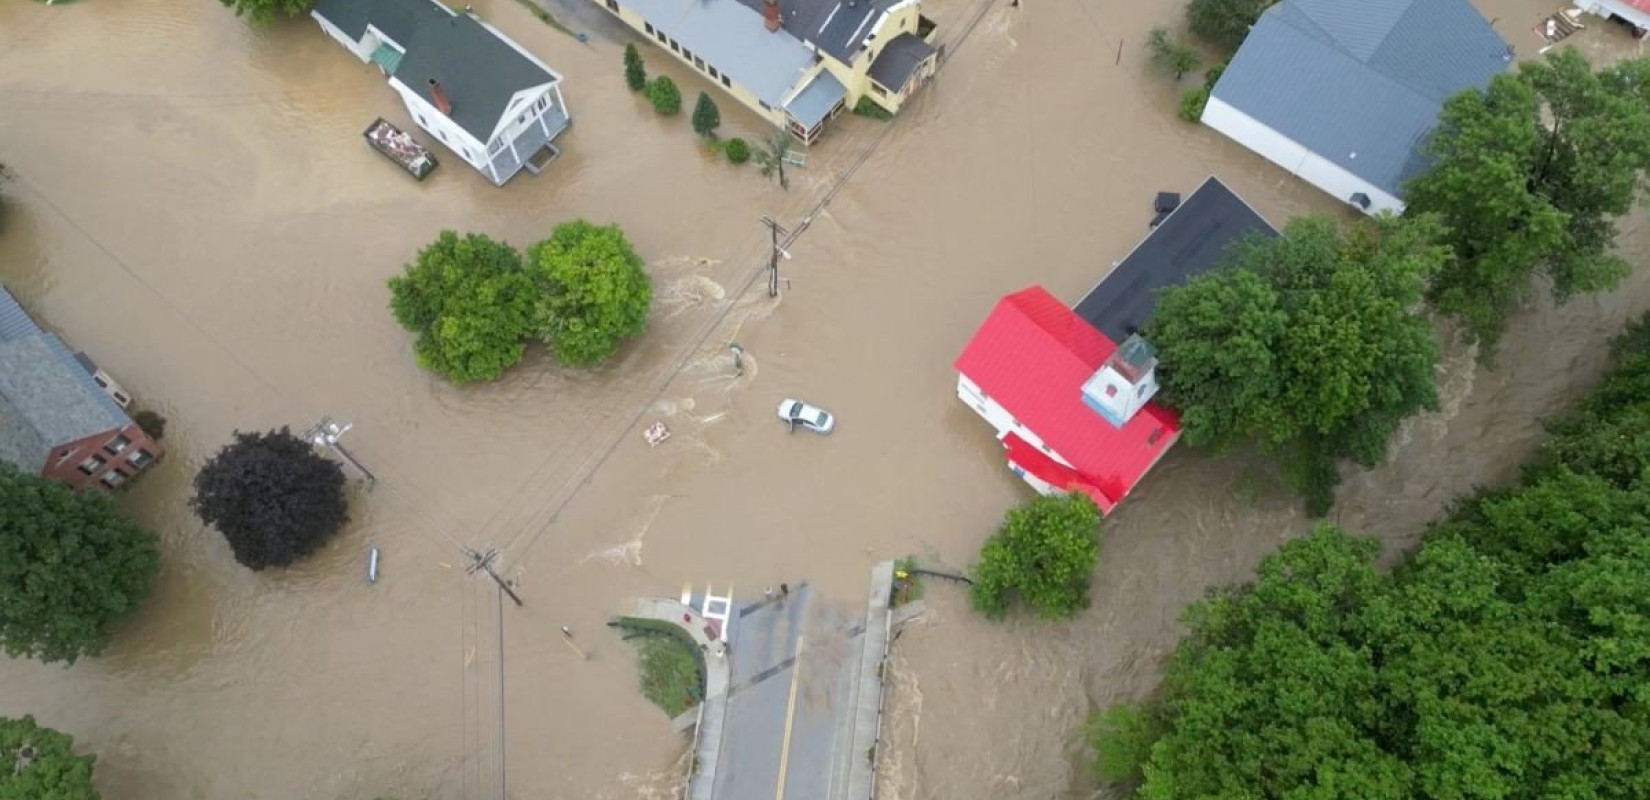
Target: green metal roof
(387, 57)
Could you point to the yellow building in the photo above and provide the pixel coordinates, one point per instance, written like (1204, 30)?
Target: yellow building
(797, 63)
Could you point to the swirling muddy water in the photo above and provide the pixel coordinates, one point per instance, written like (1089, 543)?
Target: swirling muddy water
(193, 206)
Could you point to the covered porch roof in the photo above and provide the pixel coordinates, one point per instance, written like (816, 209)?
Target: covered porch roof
(810, 106)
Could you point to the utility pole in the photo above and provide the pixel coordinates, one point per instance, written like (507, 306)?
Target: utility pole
(483, 562)
(774, 230)
(326, 433)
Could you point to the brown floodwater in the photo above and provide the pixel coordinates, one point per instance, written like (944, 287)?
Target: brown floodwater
(193, 206)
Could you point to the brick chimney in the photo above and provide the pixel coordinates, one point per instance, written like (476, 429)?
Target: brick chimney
(442, 104)
(770, 14)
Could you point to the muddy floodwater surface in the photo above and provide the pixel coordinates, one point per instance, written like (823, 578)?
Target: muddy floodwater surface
(193, 205)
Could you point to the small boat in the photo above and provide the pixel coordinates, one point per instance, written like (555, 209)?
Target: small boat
(372, 564)
(400, 147)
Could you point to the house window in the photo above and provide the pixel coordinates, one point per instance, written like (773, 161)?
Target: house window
(113, 478)
(1140, 392)
(141, 459)
(117, 444)
(613, 6)
(544, 102)
(698, 62)
(764, 105)
(466, 152)
(687, 54)
(91, 465)
(649, 26)
(423, 122)
(661, 36)
(714, 73)
(726, 81)
(881, 92)
(1156, 434)
(675, 48)
(1111, 391)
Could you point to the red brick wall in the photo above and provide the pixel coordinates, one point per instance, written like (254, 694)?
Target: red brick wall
(63, 463)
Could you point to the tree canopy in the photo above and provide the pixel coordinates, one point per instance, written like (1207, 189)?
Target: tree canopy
(470, 304)
(1311, 344)
(1529, 176)
(635, 70)
(40, 764)
(1508, 658)
(71, 566)
(264, 11)
(1224, 23)
(592, 291)
(706, 116)
(1043, 555)
(272, 496)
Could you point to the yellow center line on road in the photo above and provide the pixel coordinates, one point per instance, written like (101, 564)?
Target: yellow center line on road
(790, 716)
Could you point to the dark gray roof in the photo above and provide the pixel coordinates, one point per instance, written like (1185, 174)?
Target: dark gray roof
(730, 38)
(46, 398)
(1360, 82)
(898, 59)
(834, 26)
(1190, 241)
(478, 70)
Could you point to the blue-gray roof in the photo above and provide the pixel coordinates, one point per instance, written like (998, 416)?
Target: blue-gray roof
(1360, 82)
(479, 71)
(46, 397)
(810, 105)
(731, 37)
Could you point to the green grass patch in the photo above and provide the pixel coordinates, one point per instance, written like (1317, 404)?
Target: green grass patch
(866, 107)
(670, 669)
(907, 583)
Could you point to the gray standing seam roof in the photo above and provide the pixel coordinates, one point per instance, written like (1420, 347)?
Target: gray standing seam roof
(898, 60)
(835, 26)
(810, 105)
(1192, 240)
(478, 71)
(46, 398)
(1360, 82)
(727, 36)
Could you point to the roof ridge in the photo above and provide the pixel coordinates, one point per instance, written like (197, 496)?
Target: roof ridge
(1341, 50)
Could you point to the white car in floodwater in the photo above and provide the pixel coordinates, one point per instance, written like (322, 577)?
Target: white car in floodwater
(814, 418)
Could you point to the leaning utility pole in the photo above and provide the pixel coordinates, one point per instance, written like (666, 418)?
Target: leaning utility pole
(326, 434)
(483, 562)
(774, 230)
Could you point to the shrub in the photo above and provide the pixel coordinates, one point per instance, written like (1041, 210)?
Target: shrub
(1224, 22)
(1121, 737)
(866, 107)
(736, 150)
(1044, 554)
(1170, 56)
(665, 97)
(152, 424)
(635, 72)
(1192, 103)
(706, 116)
(272, 496)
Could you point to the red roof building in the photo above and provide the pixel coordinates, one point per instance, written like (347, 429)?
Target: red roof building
(1026, 370)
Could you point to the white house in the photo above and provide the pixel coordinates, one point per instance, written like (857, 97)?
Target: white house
(485, 97)
(1343, 93)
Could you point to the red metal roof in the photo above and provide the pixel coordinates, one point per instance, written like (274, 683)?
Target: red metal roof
(1642, 5)
(1032, 356)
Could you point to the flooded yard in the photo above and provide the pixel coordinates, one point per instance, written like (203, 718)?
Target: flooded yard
(194, 206)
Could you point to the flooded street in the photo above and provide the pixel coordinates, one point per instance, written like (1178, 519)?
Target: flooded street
(193, 206)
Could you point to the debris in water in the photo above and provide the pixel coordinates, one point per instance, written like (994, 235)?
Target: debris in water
(372, 564)
(656, 433)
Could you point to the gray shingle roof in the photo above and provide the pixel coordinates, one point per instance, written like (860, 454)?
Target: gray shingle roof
(835, 26)
(1360, 82)
(898, 59)
(732, 39)
(810, 105)
(46, 397)
(478, 71)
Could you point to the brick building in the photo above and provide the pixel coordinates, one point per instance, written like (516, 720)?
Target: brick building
(56, 419)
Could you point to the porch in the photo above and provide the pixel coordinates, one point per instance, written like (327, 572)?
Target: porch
(509, 156)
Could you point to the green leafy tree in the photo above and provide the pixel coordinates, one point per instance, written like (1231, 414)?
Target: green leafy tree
(264, 11)
(1224, 22)
(665, 97)
(771, 153)
(1529, 176)
(470, 304)
(593, 292)
(272, 496)
(40, 764)
(737, 150)
(706, 117)
(635, 72)
(1044, 555)
(1310, 344)
(71, 566)
(1169, 55)
(1121, 737)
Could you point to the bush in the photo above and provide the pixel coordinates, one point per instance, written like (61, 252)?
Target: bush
(470, 304)
(40, 764)
(706, 116)
(1044, 554)
(635, 72)
(1170, 56)
(272, 496)
(664, 95)
(1192, 103)
(736, 150)
(592, 291)
(1121, 738)
(1224, 22)
(153, 425)
(866, 107)
(71, 566)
